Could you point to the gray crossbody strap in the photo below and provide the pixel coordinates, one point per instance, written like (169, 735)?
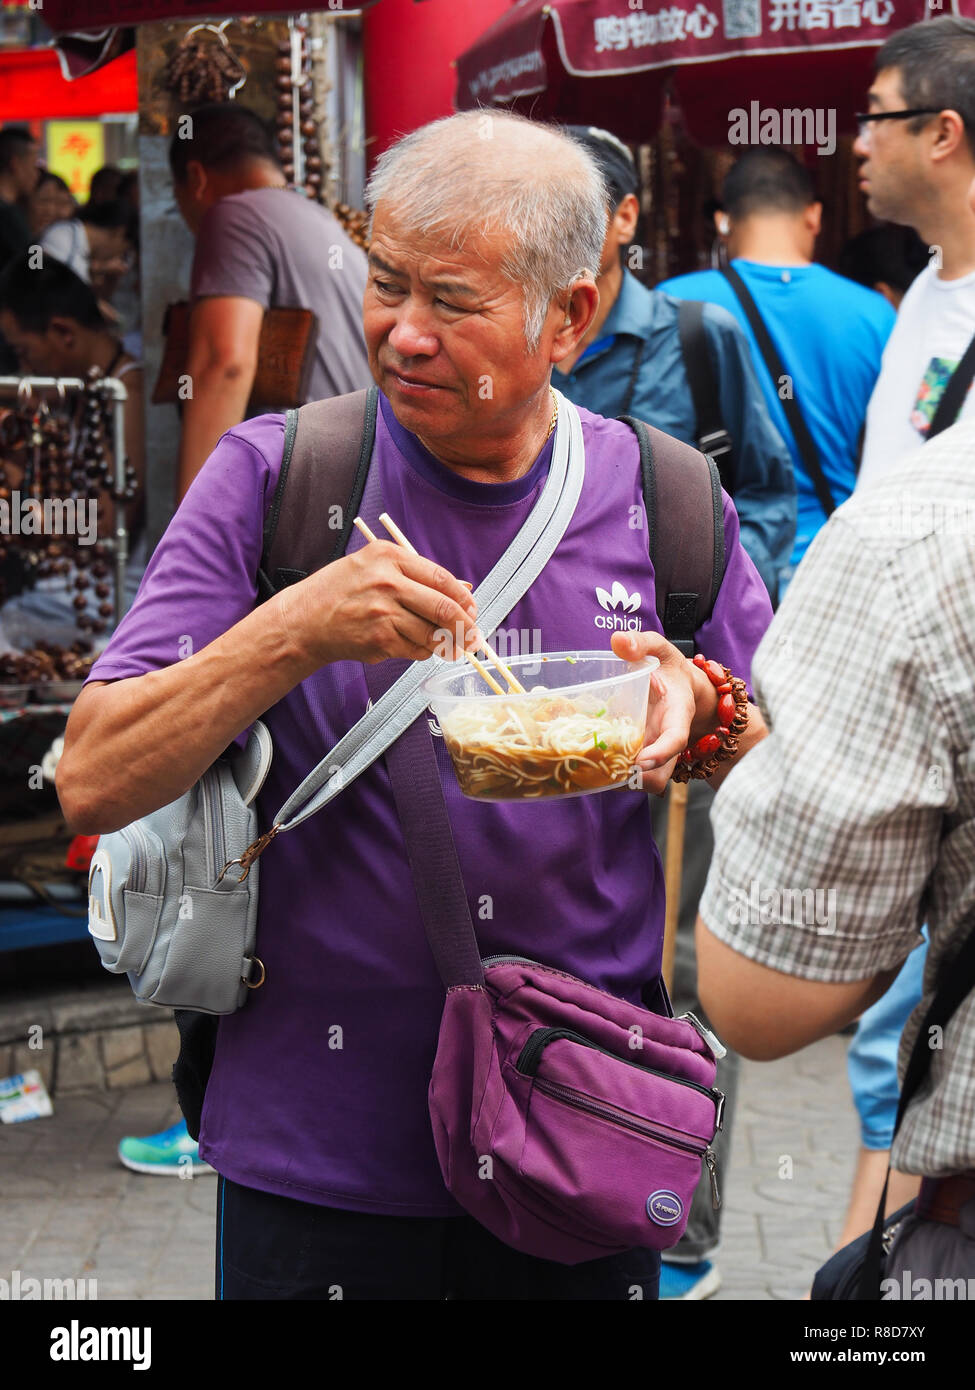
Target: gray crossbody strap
(507, 583)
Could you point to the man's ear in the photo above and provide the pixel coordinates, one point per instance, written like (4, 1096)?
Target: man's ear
(196, 178)
(948, 135)
(576, 315)
(813, 217)
(625, 218)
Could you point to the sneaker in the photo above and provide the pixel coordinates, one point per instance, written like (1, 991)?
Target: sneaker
(171, 1152)
(689, 1281)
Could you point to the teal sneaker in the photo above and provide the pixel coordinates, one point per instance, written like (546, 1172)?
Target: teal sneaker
(688, 1281)
(172, 1152)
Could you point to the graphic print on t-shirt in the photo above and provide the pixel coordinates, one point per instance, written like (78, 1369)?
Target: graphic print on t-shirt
(933, 384)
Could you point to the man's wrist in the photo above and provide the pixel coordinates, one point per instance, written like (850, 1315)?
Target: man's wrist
(705, 719)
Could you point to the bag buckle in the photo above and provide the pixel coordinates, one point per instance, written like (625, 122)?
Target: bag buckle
(249, 855)
(717, 1047)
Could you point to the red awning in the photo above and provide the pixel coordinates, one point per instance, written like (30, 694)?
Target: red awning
(605, 61)
(32, 87)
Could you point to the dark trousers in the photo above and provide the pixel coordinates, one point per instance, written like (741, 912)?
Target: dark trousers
(271, 1247)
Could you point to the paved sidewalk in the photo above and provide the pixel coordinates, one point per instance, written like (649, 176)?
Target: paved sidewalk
(69, 1210)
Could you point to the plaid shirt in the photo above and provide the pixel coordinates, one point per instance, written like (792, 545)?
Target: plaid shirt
(854, 821)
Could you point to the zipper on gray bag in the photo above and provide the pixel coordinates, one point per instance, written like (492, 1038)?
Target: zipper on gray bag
(213, 829)
(139, 866)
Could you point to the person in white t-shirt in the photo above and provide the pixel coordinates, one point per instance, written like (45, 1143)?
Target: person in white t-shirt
(918, 147)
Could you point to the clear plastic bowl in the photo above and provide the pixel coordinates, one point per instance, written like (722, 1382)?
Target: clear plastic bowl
(577, 731)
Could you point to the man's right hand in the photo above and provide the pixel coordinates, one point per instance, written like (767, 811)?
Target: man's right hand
(381, 601)
(136, 744)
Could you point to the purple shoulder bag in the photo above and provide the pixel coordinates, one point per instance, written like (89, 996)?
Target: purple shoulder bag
(568, 1122)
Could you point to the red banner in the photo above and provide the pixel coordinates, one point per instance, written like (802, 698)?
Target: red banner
(32, 87)
(607, 38)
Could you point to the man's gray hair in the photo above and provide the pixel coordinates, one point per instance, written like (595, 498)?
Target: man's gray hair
(495, 171)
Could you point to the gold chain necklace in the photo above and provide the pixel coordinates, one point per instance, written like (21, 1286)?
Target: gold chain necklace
(555, 415)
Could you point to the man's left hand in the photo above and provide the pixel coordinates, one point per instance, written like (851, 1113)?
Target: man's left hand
(683, 705)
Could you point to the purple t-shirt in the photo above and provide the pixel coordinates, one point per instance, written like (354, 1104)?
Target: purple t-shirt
(318, 1089)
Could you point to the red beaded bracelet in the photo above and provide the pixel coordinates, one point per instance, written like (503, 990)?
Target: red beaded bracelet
(701, 759)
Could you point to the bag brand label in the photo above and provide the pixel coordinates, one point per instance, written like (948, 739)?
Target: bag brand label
(664, 1208)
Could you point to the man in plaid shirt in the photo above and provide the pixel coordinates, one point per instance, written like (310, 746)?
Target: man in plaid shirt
(853, 822)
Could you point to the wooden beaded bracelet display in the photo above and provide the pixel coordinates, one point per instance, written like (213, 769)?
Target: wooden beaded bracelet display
(701, 758)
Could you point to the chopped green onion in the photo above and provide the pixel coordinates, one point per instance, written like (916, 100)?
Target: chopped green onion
(571, 660)
(599, 713)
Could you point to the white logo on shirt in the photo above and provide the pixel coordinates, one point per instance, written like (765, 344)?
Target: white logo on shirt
(616, 603)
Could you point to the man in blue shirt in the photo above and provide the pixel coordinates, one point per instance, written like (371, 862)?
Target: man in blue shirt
(631, 363)
(829, 332)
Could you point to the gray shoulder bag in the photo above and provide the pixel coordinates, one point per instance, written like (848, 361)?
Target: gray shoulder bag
(163, 907)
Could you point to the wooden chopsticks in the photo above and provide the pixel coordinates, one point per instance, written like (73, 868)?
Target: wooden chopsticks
(514, 685)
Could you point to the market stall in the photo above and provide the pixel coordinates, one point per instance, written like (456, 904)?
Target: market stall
(62, 445)
(62, 448)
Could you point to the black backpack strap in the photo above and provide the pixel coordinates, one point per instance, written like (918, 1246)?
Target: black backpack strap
(712, 437)
(324, 466)
(685, 515)
(773, 362)
(953, 396)
(638, 356)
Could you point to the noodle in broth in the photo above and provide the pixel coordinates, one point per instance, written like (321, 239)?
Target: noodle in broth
(507, 750)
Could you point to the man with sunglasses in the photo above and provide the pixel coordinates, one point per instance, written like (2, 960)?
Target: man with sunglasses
(917, 143)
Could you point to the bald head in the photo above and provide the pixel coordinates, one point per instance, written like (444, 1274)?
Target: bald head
(484, 172)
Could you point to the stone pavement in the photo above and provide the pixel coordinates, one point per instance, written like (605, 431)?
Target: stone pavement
(69, 1210)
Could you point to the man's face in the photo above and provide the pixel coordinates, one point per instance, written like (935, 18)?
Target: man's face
(45, 206)
(445, 334)
(42, 354)
(893, 175)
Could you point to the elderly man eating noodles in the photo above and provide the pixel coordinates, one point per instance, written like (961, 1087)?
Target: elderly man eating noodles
(486, 238)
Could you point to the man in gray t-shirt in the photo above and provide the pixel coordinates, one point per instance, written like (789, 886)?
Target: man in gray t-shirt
(258, 245)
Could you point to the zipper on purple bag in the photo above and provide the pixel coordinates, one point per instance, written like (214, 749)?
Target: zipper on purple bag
(528, 1062)
(578, 1101)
